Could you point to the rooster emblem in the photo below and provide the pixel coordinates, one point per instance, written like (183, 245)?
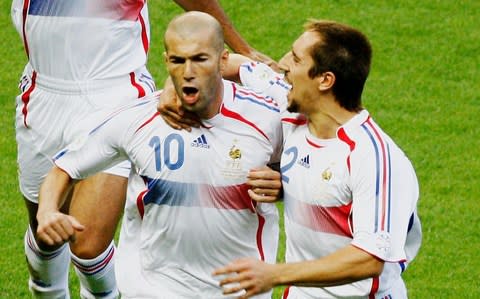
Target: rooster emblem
(235, 153)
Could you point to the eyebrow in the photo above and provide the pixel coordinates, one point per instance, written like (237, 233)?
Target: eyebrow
(198, 55)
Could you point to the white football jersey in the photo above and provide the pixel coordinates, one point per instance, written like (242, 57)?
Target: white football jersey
(358, 188)
(188, 211)
(99, 39)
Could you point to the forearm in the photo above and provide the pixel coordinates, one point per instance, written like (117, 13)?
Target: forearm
(346, 265)
(233, 39)
(54, 227)
(232, 69)
(53, 190)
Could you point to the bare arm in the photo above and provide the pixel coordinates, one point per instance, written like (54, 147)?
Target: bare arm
(346, 265)
(232, 69)
(233, 39)
(54, 227)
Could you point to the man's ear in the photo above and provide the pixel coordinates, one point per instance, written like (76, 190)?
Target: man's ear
(326, 81)
(224, 60)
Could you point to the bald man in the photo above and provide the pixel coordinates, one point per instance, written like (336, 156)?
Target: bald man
(188, 207)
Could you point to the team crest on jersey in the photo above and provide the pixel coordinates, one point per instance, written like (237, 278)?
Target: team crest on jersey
(235, 153)
(327, 174)
(233, 166)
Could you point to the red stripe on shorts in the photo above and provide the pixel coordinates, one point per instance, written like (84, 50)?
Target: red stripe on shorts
(141, 91)
(26, 98)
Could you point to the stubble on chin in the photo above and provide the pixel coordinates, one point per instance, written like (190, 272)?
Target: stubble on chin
(292, 107)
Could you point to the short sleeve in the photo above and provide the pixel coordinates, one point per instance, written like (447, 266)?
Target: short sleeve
(95, 149)
(384, 195)
(261, 78)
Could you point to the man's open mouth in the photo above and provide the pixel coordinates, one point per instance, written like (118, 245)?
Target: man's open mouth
(190, 94)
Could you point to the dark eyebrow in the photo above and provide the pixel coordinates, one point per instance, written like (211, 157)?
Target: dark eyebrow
(175, 57)
(199, 55)
(193, 57)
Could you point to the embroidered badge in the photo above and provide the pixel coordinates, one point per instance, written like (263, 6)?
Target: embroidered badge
(327, 174)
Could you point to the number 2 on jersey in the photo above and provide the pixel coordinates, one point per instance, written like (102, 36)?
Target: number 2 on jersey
(293, 153)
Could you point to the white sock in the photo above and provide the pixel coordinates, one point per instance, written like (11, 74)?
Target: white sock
(97, 276)
(48, 270)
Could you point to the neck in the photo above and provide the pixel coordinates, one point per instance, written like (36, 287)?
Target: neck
(214, 106)
(324, 124)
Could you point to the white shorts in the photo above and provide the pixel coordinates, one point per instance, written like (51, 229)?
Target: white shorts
(51, 113)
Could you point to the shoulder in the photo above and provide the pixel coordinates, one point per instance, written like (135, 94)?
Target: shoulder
(261, 78)
(250, 104)
(368, 142)
(248, 99)
(128, 115)
(252, 108)
(292, 123)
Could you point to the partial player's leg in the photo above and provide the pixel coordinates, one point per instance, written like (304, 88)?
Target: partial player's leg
(48, 266)
(97, 203)
(39, 128)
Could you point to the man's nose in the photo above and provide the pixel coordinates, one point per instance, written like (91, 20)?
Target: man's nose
(189, 72)
(282, 63)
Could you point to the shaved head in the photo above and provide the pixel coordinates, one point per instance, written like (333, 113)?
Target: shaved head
(195, 23)
(195, 56)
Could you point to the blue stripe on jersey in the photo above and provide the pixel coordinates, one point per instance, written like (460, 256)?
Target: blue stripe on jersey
(253, 100)
(247, 66)
(60, 154)
(377, 181)
(410, 222)
(59, 8)
(231, 197)
(283, 84)
(402, 265)
(389, 187)
(163, 192)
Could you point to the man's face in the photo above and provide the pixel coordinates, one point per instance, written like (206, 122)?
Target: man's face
(195, 68)
(296, 65)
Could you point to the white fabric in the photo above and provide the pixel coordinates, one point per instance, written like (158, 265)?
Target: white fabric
(48, 270)
(191, 185)
(99, 39)
(97, 275)
(358, 188)
(57, 112)
(84, 55)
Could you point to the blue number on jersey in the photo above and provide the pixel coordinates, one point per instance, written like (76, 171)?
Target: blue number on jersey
(156, 144)
(180, 151)
(293, 152)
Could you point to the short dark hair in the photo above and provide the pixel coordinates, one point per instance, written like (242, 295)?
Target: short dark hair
(347, 53)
